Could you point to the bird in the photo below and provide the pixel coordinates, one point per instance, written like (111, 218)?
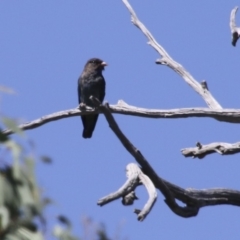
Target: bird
(91, 83)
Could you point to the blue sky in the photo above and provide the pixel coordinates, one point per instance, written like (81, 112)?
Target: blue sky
(44, 46)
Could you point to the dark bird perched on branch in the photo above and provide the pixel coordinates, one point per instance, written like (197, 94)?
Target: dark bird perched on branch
(91, 83)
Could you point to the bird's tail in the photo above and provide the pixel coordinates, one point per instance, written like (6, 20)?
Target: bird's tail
(86, 133)
(89, 123)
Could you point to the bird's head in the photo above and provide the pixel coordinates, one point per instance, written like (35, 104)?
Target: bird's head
(95, 64)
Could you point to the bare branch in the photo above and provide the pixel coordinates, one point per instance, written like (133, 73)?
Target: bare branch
(168, 61)
(194, 199)
(234, 29)
(129, 186)
(152, 193)
(52, 117)
(205, 197)
(223, 115)
(135, 178)
(220, 147)
(147, 169)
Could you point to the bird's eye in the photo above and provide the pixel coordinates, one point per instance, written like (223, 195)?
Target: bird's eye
(93, 61)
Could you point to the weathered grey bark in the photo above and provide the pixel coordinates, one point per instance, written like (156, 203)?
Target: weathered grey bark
(200, 151)
(194, 199)
(224, 115)
(135, 177)
(168, 61)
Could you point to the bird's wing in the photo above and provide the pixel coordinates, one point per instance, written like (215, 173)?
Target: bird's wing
(102, 85)
(79, 89)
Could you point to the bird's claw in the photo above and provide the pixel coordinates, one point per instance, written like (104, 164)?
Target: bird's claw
(82, 106)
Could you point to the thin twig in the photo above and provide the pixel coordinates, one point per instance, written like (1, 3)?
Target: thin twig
(194, 199)
(146, 167)
(218, 147)
(233, 27)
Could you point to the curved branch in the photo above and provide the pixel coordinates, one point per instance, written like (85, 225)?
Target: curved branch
(234, 29)
(52, 117)
(200, 151)
(168, 61)
(148, 170)
(223, 115)
(194, 199)
(129, 186)
(135, 178)
(205, 197)
(152, 193)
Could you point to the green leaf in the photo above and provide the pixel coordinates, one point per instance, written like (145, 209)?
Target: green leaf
(2, 183)
(25, 234)
(63, 234)
(30, 180)
(12, 237)
(4, 218)
(29, 169)
(16, 151)
(3, 137)
(9, 196)
(13, 125)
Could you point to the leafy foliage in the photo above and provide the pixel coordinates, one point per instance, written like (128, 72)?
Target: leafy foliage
(21, 203)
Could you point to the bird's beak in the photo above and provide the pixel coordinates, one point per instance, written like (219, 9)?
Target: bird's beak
(103, 64)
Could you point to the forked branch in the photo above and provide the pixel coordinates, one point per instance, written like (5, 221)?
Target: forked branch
(135, 178)
(192, 198)
(168, 61)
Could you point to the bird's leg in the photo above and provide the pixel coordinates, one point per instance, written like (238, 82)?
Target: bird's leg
(96, 101)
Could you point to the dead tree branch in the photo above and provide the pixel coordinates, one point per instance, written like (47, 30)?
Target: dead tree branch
(135, 178)
(128, 187)
(223, 115)
(147, 169)
(168, 61)
(194, 199)
(234, 29)
(200, 151)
